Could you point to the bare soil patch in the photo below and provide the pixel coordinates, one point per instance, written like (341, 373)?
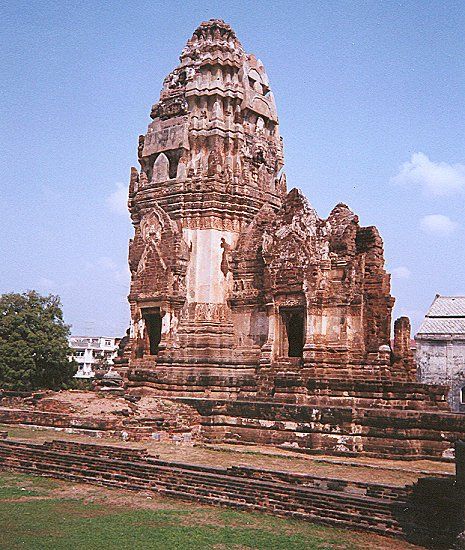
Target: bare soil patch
(392, 472)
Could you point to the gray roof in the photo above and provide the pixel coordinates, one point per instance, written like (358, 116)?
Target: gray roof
(447, 306)
(445, 316)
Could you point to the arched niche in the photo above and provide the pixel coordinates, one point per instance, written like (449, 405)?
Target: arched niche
(161, 168)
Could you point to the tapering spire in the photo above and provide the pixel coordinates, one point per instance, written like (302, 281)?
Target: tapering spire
(216, 126)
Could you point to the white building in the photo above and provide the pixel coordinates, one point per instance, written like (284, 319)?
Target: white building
(91, 352)
(440, 353)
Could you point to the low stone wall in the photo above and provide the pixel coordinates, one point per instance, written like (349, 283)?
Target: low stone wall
(173, 421)
(354, 505)
(361, 394)
(345, 431)
(333, 430)
(57, 420)
(430, 512)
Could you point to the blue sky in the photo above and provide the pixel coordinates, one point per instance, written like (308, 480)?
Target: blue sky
(370, 97)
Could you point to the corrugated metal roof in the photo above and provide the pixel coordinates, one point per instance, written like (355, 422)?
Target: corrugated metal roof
(445, 316)
(447, 306)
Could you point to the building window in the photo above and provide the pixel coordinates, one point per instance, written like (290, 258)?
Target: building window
(79, 353)
(108, 342)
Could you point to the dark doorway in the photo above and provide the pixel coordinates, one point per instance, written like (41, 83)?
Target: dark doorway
(294, 331)
(152, 320)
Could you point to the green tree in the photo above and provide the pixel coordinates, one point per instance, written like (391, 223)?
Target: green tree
(34, 347)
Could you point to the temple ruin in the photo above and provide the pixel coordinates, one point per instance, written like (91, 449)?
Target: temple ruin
(234, 278)
(242, 297)
(255, 322)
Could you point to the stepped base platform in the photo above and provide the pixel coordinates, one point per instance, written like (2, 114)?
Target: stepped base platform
(336, 427)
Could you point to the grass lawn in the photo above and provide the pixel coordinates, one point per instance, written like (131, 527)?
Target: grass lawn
(40, 513)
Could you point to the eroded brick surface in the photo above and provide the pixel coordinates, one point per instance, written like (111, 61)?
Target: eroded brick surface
(235, 281)
(369, 506)
(429, 511)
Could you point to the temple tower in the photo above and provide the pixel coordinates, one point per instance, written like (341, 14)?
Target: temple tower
(239, 288)
(211, 158)
(243, 299)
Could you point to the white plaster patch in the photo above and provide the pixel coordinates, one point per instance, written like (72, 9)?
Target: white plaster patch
(342, 444)
(290, 425)
(205, 281)
(166, 323)
(266, 423)
(324, 324)
(449, 453)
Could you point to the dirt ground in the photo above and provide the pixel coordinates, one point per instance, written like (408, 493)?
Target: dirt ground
(393, 472)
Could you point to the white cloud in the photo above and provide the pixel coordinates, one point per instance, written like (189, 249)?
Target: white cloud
(437, 179)
(118, 200)
(401, 272)
(438, 224)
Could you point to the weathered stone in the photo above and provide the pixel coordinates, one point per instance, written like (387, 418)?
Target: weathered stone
(233, 278)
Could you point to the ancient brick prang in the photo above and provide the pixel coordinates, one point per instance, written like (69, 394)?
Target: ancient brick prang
(233, 278)
(210, 160)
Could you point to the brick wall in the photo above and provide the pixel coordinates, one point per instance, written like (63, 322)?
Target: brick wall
(428, 512)
(355, 505)
(334, 430)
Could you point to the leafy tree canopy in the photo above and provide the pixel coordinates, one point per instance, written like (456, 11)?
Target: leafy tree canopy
(34, 345)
